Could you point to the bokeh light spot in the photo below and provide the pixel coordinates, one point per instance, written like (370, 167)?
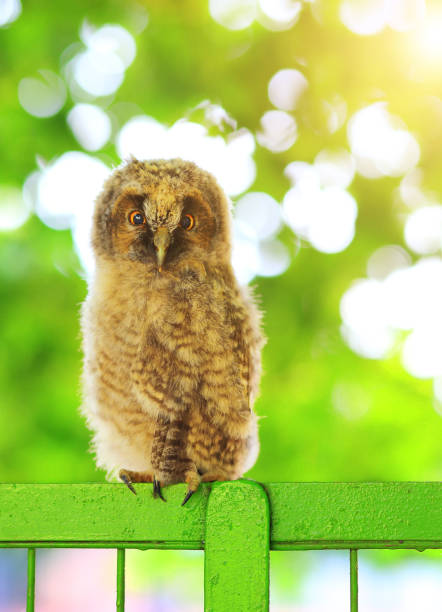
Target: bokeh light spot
(65, 201)
(90, 125)
(14, 209)
(350, 400)
(110, 39)
(10, 10)
(286, 87)
(380, 147)
(423, 230)
(410, 189)
(278, 131)
(422, 352)
(233, 14)
(325, 217)
(336, 112)
(42, 97)
(245, 253)
(364, 17)
(370, 342)
(274, 258)
(260, 213)
(386, 260)
(335, 168)
(279, 15)
(99, 69)
(228, 159)
(366, 329)
(98, 73)
(363, 305)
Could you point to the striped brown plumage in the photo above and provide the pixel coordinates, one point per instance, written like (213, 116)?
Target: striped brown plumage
(171, 342)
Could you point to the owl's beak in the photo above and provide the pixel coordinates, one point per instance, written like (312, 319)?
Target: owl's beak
(161, 240)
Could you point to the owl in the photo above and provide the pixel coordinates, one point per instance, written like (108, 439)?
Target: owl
(171, 342)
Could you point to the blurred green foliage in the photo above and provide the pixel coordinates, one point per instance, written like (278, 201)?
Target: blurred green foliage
(183, 57)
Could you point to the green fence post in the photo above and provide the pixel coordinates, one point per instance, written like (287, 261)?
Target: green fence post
(236, 572)
(353, 580)
(30, 595)
(121, 571)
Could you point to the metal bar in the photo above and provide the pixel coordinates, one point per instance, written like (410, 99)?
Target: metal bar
(419, 545)
(236, 560)
(336, 511)
(30, 596)
(141, 545)
(353, 580)
(120, 578)
(304, 515)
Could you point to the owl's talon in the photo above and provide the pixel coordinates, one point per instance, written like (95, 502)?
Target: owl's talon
(124, 476)
(157, 489)
(187, 497)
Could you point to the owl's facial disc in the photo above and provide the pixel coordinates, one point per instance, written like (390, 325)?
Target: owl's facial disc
(162, 229)
(161, 241)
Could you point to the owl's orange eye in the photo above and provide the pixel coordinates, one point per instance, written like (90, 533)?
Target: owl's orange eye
(188, 222)
(137, 218)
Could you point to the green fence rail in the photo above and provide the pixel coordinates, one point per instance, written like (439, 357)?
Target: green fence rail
(235, 523)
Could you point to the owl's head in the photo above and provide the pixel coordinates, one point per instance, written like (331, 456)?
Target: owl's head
(162, 212)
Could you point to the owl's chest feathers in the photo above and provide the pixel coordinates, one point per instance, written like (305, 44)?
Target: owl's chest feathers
(188, 323)
(172, 340)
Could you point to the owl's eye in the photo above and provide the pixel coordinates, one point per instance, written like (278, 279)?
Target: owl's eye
(137, 218)
(187, 222)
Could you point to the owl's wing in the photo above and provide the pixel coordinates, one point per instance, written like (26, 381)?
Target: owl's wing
(251, 344)
(165, 388)
(160, 380)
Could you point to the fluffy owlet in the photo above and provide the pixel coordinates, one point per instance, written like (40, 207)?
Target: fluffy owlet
(172, 343)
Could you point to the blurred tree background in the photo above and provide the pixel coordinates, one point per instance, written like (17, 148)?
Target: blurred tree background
(331, 413)
(329, 115)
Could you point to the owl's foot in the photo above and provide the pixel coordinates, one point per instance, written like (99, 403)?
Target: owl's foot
(157, 489)
(193, 480)
(129, 477)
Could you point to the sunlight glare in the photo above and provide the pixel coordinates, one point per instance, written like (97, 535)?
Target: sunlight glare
(429, 37)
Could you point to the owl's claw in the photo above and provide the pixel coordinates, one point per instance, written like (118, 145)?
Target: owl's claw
(157, 489)
(187, 497)
(124, 476)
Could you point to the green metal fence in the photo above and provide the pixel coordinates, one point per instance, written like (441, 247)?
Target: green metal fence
(235, 523)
